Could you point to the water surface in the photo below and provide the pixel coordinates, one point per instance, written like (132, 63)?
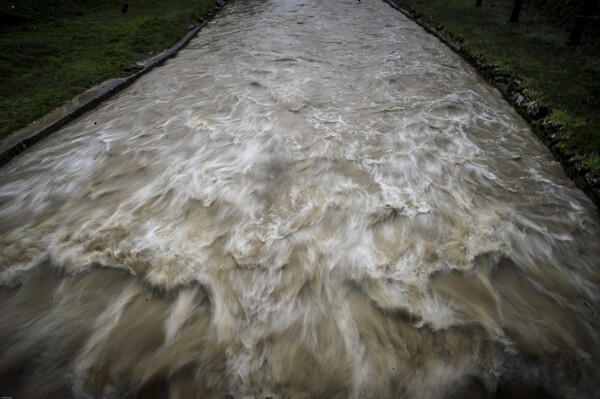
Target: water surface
(315, 199)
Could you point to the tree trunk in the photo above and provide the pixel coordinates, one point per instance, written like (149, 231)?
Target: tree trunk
(478, 3)
(516, 11)
(577, 31)
(580, 22)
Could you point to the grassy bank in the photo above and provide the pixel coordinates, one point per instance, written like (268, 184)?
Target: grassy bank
(532, 58)
(53, 50)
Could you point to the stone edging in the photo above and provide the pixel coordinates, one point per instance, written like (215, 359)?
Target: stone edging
(512, 91)
(24, 138)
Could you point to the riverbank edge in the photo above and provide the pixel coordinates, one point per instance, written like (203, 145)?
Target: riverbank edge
(513, 92)
(24, 138)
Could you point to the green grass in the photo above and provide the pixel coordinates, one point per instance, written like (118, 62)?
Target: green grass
(564, 78)
(52, 50)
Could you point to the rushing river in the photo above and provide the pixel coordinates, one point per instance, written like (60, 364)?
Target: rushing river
(314, 199)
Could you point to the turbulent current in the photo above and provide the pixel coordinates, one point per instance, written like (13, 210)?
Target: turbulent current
(314, 199)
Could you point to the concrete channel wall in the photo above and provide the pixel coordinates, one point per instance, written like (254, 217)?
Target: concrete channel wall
(26, 137)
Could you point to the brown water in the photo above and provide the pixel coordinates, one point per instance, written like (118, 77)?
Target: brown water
(315, 199)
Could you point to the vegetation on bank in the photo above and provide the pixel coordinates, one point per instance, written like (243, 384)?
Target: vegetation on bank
(533, 58)
(52, 50)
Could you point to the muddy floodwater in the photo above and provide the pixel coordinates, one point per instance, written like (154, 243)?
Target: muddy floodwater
(314, 199)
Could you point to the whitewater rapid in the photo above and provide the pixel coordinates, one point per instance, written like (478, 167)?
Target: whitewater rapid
(314, 199)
